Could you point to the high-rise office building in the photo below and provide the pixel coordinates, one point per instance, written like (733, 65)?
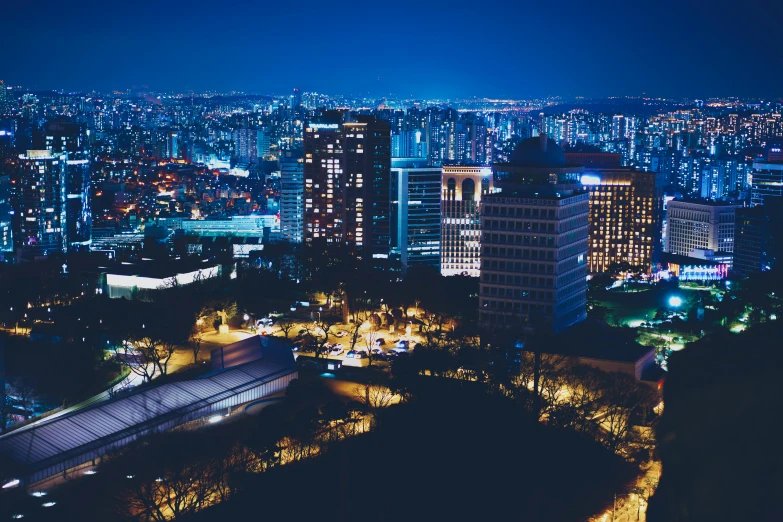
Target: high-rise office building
(462, 190)
(41, 195)
(291, 197)
(64, 136)
(415, 212)
(246, 145)
(626, 212)
(700, 225)
(173, 145)
(758, 237)
(534, 241)
(3, 97)
(6, 217)
(347, 182)
(767, 180)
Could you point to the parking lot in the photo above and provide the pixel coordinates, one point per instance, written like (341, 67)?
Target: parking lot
(370, 340)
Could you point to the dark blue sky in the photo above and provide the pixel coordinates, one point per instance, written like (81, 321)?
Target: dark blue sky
(421, 48)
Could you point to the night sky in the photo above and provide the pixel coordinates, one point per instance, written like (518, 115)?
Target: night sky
(415, 48)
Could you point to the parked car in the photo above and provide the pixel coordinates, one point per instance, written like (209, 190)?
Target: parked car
(376, 351)
(342, 334)
(337, 349)
(380, 341)
(350, 354)
(302, 331)
(402, 344)
(338, 345)
(325, 350)
(360, 355)
(398, 350)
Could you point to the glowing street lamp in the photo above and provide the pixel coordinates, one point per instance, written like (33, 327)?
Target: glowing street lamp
(675, 301)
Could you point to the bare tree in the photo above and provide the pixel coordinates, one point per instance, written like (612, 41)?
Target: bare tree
(286, 325)
(25, 391)
(195, 343)
(321, 331)
(432, 325)
(149, 357)
(374, 396)
(136, 361)
(359, 317)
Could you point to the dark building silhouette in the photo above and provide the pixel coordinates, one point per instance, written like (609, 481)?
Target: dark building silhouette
(758, 237)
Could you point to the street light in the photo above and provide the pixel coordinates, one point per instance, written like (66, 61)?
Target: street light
(675, 301)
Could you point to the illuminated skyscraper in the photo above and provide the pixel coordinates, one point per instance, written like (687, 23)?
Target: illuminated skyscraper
(347, 182)
(64, 136)
(291, 198)
(3, 97)
(415, 212)
(41, 196)
(6, 215)
(625, 217)
(462, 190)
(767, 180)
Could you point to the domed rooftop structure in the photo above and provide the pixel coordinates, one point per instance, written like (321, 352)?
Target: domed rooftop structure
(541, 151)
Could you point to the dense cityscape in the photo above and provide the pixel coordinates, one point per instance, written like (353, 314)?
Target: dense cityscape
(218, 305)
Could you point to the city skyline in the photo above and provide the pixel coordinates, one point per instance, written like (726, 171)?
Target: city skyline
(501, 51)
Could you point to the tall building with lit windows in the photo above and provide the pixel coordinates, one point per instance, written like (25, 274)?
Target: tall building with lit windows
(462, 190)
(347, 182)
(291, 197)
(6, 215)
(42, 216)
(3, 97)
(64, 136)
(415, 212)
(626, 209)
(700, 225)
(767, 180)
(534, 234)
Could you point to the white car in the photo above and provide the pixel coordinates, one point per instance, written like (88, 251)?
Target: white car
(337, 349)
(341, 334)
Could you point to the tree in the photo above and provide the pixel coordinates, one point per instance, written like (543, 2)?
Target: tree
(196, 338)
(374, 397)
(286, 325)
(322, 329)
(146, 355)
(622, 397)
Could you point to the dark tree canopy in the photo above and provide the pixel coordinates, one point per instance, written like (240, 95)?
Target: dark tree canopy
(719, 434)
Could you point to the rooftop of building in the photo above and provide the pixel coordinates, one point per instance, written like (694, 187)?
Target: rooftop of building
(84, 433)
(776, 163)
(160, 268)
(541, 151)
(545, 192)
(704, 202)
(682, 260)
(411, 163)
